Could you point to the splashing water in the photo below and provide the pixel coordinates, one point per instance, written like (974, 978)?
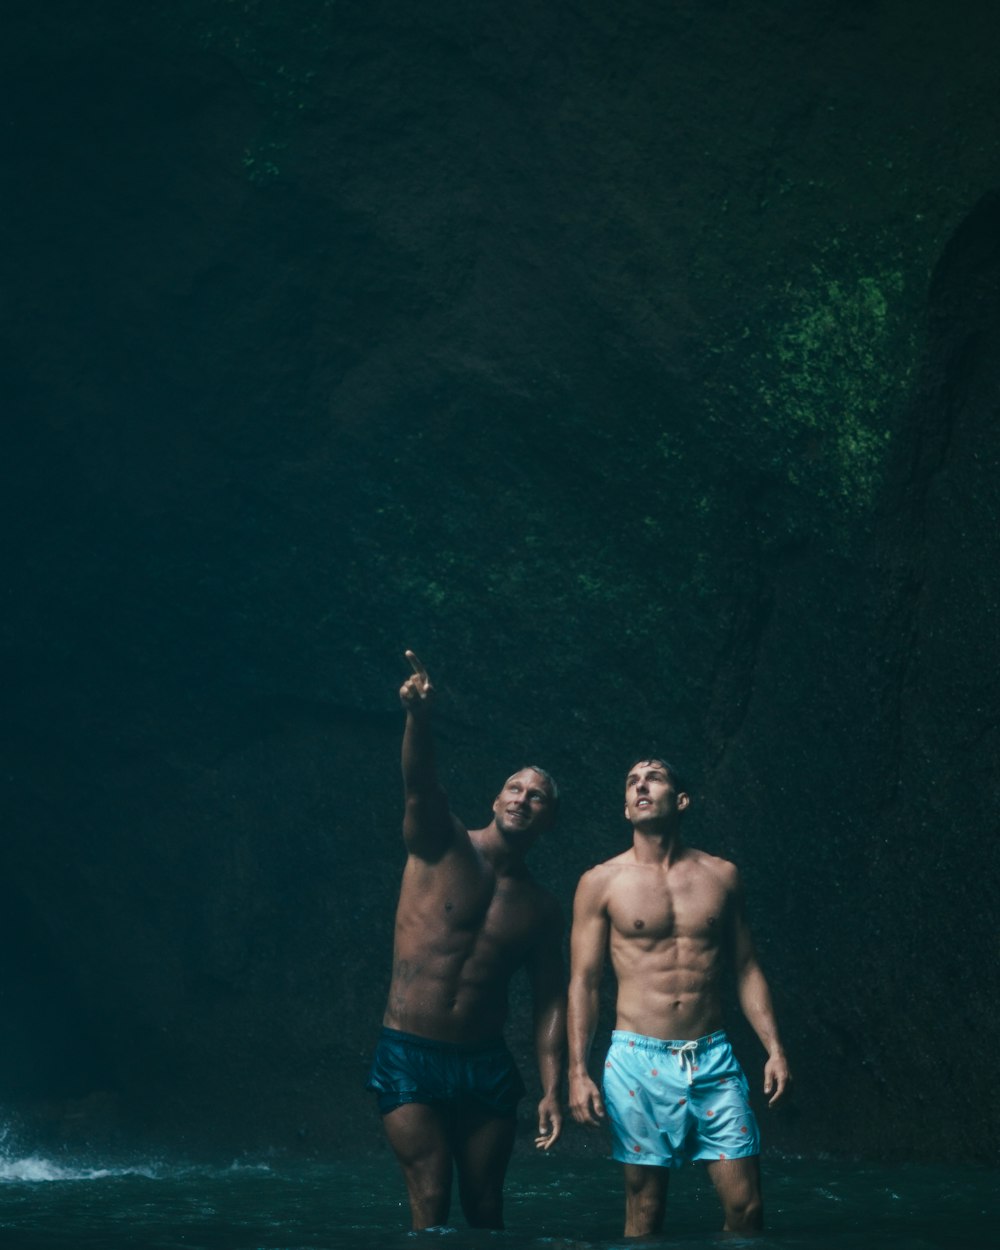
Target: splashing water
(569, 1202)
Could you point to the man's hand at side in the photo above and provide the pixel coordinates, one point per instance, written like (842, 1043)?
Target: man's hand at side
(585, 1101)
(777, 1077)
(549, 1122)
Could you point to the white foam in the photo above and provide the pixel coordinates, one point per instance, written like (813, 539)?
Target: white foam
(17, 1166)
(35, 1168)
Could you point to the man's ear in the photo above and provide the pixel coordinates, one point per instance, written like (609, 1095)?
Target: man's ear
(683, 800)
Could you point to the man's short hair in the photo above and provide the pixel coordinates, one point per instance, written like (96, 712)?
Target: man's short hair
(550, 781)
(674, 777)
(544, 772)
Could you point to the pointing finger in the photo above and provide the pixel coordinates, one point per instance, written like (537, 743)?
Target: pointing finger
(416, 665)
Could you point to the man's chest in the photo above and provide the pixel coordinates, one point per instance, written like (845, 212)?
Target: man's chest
(655, 906)
(471, 902)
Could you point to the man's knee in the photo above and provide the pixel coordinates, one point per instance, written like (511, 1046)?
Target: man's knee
(645, 1182)
(426, 1164)
(737, 1182)
(481, 1196)
(646, 1211)
(645, 1200)
(482, 1157)
(483, 1211)
(482, 1200)
(430, 1200)
(744, 1213)
(428, 1187)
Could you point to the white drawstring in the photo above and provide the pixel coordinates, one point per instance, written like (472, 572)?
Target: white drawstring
(685, 1057)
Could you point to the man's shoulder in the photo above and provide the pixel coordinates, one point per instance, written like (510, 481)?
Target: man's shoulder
(598, 881)
(444, 839)
(609, 867)
(723, 870)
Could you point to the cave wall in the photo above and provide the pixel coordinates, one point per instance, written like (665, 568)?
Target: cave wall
(596, 355)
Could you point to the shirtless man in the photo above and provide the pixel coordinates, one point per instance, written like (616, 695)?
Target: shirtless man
(673, 1091)
(469, 915)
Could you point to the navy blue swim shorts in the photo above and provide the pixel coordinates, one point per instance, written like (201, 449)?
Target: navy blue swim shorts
(471, 1078)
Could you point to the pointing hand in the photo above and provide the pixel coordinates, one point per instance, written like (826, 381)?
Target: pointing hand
(417, 690)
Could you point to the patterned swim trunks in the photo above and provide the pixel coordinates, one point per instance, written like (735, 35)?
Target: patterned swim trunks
(674, 1102)
(480, 1078)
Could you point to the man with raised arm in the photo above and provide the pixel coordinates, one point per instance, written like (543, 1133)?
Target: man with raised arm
(673, 919)
(469, 915)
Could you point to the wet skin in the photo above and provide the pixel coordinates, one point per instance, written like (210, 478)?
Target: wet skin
(673, 920)
(469, 916)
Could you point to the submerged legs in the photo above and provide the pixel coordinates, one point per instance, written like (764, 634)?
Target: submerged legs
(737, 1182)
(428, 1140)
(482, 1152)
(418, 1135)
(645, 1199)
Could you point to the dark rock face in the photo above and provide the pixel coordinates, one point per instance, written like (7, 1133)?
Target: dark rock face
(596, 360)
(873, 719)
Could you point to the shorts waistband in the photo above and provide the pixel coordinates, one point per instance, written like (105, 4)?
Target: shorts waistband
(433, 1043)
(641, 1041)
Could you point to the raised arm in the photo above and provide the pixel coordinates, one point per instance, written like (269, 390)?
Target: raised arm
(755, 1002)
(548, 990)
(429, 828)
(588, 941)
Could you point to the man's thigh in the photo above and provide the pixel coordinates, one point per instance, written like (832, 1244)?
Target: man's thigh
(645, 1198)
(483, 1145)
(651, 1181)
(419, 1136)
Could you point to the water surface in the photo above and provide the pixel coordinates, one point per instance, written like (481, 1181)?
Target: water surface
(556, 1203)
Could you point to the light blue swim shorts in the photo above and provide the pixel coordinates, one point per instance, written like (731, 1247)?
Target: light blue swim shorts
(671, 1102)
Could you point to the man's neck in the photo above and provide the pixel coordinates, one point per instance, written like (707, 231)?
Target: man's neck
(657, 846)
(504, 859)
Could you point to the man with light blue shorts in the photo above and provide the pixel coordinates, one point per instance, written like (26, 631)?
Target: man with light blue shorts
(673, 919)
(668, 1101)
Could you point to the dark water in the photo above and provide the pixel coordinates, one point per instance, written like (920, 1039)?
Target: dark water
(558, 1203)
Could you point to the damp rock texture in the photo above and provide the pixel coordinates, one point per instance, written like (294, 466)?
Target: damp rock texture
(635, 364)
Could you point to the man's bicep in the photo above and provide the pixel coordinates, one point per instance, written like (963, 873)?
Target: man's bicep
(741, 940)
(429, 828)
(589, 935)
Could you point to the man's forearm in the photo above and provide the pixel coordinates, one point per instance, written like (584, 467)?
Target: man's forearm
(550, 1048)
(582, 1023)
(755, 1002)
(418, 752)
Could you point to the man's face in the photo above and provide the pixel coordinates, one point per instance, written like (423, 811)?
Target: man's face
(524, 807)
(650, 796)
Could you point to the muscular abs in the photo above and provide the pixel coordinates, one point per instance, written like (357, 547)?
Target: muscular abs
(461, 933)
(667, 936)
